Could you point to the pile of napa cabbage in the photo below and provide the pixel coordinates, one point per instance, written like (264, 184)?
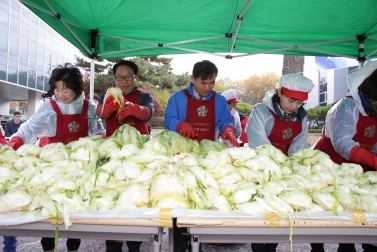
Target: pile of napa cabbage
(129, 170)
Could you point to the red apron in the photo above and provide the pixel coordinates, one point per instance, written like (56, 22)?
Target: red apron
(113, 124)
(283, 133)
(3, 141)
(201, 115)
(68, 127)
(365, 136)
(243, 136)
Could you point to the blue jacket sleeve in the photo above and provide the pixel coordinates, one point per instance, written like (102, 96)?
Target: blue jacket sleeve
(223, 116)
(175, 111)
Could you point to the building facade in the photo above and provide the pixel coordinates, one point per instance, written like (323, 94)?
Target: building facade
(330, 83)
(29, 50)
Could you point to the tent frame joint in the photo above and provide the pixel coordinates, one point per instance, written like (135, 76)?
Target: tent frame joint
(93, 38)
(361, 57)
(160, 45)
(228, 35)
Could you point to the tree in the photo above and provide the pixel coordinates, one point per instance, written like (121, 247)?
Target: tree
(244, 108)
(317, 114)
(99, 65)
(223, 84)
(293, 64)
(253, 89)
(155, 71)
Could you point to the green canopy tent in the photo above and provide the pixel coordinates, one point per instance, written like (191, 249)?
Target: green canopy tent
(120, 28)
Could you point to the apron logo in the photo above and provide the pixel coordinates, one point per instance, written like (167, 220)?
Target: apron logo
(202, 111)
(370, 131)
(287, 134)
(73, 127)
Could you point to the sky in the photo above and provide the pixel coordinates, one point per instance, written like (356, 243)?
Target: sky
(236, 69)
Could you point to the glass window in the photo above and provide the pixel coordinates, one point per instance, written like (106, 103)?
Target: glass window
(15, 11)
(46, 85)
(25, 10)
(22, 75)
(33, 33)
(48, 60)
(24, 47)
(25, 26)
(42, 38)
(40, 76)
(15, 3)
(55, 44)
(61, 60)
(4, 5)
(41, 55)
(12, 74)
(49, 40)
(35, 19)
(33, 51)
(14, 38)
(3, 58)
(32, 77)
(55, 61)
(15, 22)
(4, 19)
(4, 37)
(12, 62)
(42, 25)
(3, 53)
(3, 71)
(322, 97)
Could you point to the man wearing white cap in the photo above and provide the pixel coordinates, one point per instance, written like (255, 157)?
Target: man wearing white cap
(230, 96)
(281, 121)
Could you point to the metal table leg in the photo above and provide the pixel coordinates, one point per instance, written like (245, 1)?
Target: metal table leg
(171, 239)
(157, 239)
(195, 243)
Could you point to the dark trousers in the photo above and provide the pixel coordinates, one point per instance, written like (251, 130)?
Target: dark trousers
(181, 241)
(317, 247)
(10, 244)
(116, 246)
(350, 247)
(49, 243)
(264, 247)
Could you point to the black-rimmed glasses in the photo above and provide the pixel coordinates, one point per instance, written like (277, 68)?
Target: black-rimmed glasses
(127, 77)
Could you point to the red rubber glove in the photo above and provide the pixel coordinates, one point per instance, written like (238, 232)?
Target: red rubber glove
(186, 130)
(361, 156)
(16, 142)
(228, 134)
(109, 108)
(132, 109)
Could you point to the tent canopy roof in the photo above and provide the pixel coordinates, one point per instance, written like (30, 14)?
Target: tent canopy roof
(120, 28)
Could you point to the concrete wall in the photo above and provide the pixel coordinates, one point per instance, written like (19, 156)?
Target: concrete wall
(311, 73)
(4, 107)
(340, 84)
(34, 100)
